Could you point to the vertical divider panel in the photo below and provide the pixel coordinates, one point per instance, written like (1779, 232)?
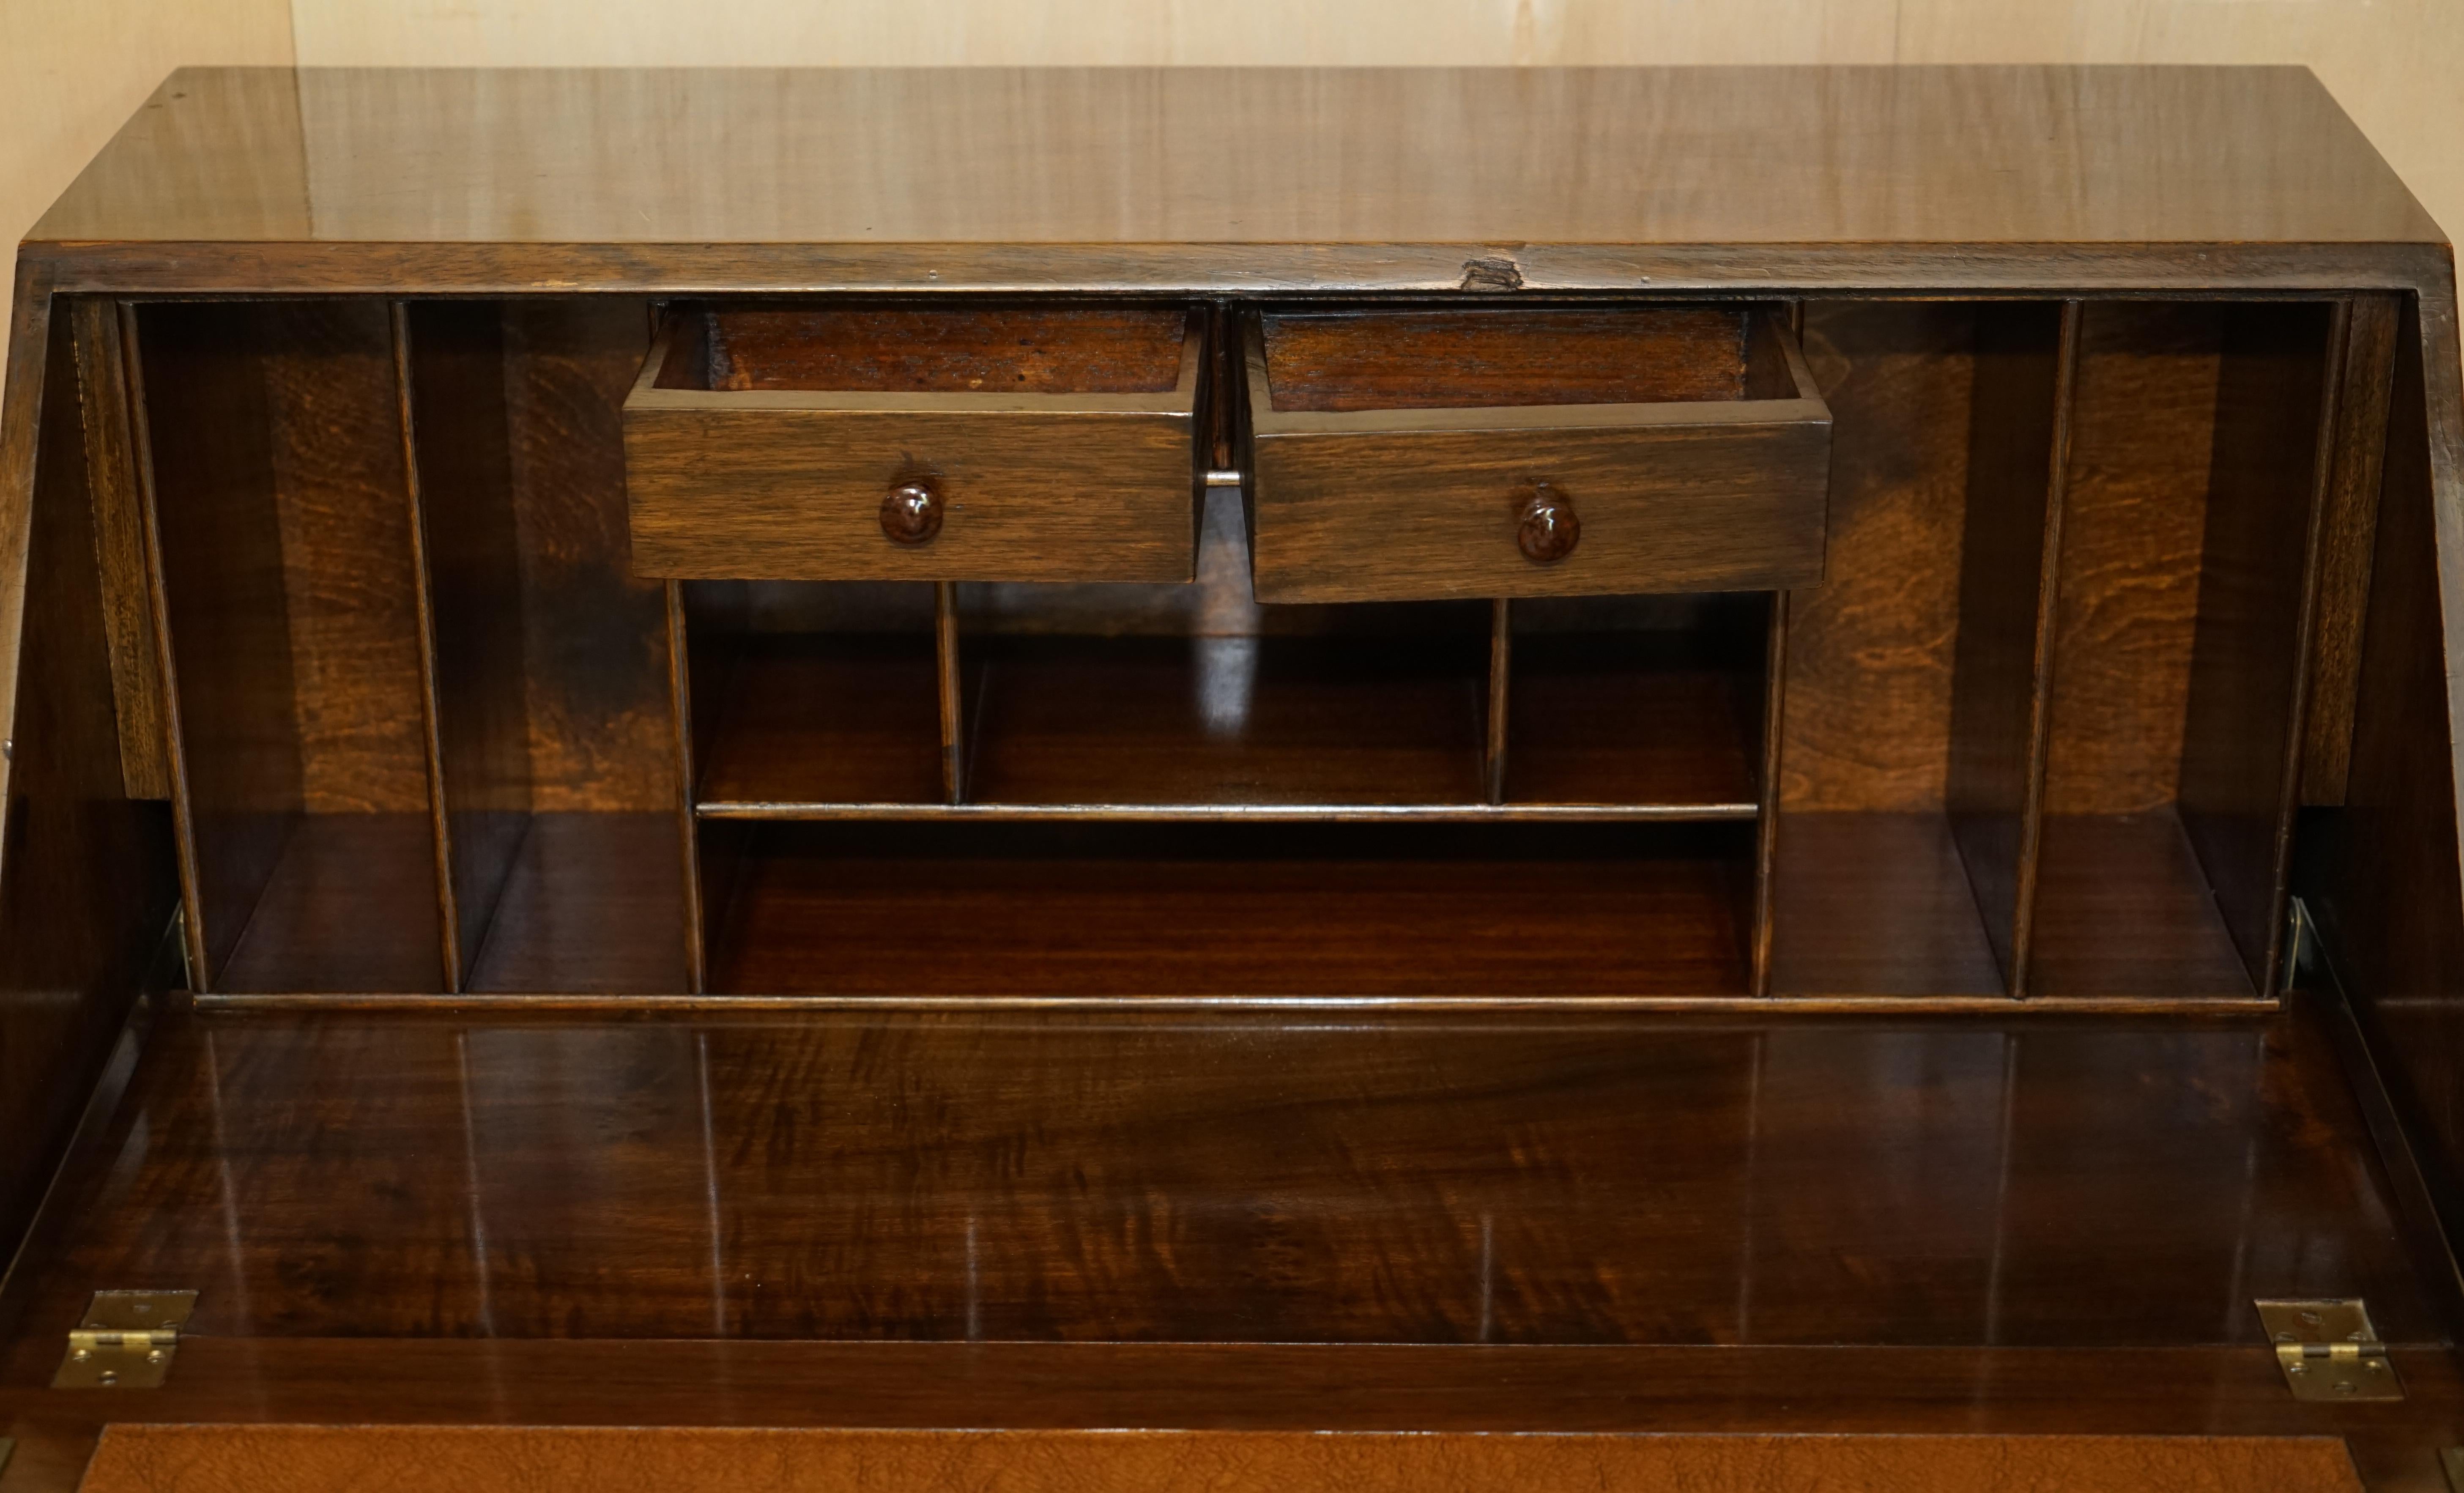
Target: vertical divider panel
(1766, 793)
(2018, 446)
(2242, 738)
(680, 695)
(706, 623)
(120, 544)
(450, 356)
(1500, 662)
(235, 799)
(945, 664)
(2349, 533)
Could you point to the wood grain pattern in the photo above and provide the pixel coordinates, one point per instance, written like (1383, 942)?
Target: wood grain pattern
(349, 904)
(2241, 740)
(1228, 1177)
(351, 600)
(2125, 904)
(1423, 502)
(2348, 528)
(1355, 361)
(1875, 904)
(916, 350)
(1130, 909)
(2019, 441)
(2384, 875)
(120, 546)
(2232, 1392)
(221, 622)
(2142, 429)
(1870, 650)
(485, 1458)
(449, 358)
(92, 881)
(1466, 159)
(593, 902)
(787, 484)
(595, 639)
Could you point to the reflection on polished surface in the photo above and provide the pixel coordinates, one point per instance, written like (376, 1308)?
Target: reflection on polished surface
(1138, 156)
(1258, 1179)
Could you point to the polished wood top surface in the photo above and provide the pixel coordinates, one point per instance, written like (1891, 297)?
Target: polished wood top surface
(1163, 157)
(1233, 1178)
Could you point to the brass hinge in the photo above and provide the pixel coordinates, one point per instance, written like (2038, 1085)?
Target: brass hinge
(125, 1341)
(2329, 1349)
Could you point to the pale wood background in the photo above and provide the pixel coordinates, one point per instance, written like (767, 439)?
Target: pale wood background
(72, 70)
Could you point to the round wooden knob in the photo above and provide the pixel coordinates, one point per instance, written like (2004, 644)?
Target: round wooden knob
(1546, 528)
(911, 513)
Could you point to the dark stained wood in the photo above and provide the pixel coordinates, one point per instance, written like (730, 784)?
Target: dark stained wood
(352, 597)
(1426, 173)
(2243, 732)
(1234, 1178)
(2382, 878)
(1495, 716)
(1230, 721)
(450, 357)
(2019, 424)
(2348, 528)
(911, 349)
(1359, 361)
(1892, 1201)
(1870, 649)
(1629, 718)
(91, 885)
(349, 905)
(2142, 427)
(1767, 781)
(686, 734)
(551, 663)
(333, 1459)
(1036, 482)
(949, 693)
(1128, 910)
(591, 903)
(602, 738)
(119, 545)
(846, 718)
(220, 609)
(1875, 904)
(2125, 907)
(1435, 498)
(287, 605)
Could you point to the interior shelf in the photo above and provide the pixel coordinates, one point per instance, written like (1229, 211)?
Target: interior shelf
(2127, 910)
(1225, 727)
(849, 720)
(1603, 719)
(1056, 910)
(350, 906)
(589, 904)
(1875, 904)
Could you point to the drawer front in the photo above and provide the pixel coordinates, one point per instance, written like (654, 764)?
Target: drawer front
(790, 485)
(1540, 500)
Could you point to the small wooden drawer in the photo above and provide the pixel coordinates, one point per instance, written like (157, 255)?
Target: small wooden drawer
(901, 442)
(1498, 451)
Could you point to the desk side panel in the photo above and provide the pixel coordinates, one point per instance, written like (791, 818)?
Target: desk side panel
(86, 884)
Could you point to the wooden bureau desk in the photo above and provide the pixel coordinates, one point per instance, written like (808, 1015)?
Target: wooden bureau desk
(1228, 753)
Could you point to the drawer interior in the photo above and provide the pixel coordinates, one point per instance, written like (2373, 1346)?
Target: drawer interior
(864, 347)
(1349, 360)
